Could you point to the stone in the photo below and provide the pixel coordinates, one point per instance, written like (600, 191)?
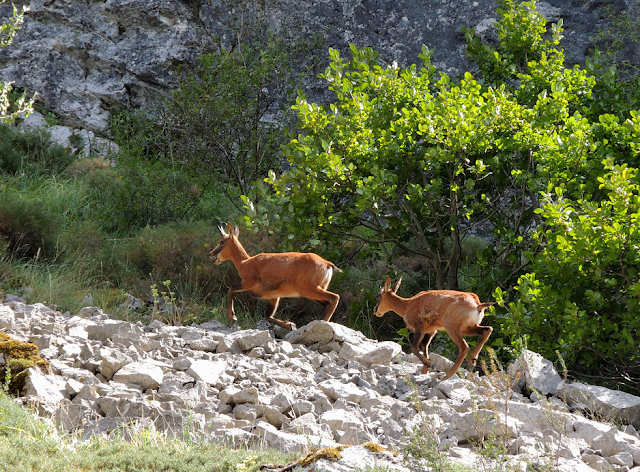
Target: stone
(335, 389)
(383, 353)
(482, 424)
(107, 329)
(340, 420)
(247, 395)
(275, 417)
(614, 442)
(612, 404)
(44, 386)
(248, 339)
(207, 371)
(112, 360)
(532, 372)
(282, 401)
(302, 407)
(323, 332)
(7, 317)
(145, 374)
(289, 442)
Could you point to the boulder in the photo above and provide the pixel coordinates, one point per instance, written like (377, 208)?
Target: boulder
(7, 317)
(112, 360)
(612, 404)
(335, 389)
(145, 374)
(207, 371)
(532, 372)
(289, 442)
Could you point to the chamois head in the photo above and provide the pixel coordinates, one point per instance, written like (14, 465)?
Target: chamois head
(382, 307)
(222, 251)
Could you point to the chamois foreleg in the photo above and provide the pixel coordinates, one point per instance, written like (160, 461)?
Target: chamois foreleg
(484, 332)
(273, 306)
(463, 348)
(241, 287)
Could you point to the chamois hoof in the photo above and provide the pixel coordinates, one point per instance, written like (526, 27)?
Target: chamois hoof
(292, 326)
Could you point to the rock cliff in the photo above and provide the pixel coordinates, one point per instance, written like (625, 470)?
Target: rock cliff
(87, 58)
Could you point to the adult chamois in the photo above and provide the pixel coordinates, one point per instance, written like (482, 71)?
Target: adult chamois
(457, 313)
(272, 276)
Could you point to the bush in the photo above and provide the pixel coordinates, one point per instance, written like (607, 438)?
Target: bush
(178, 252)
(10, 160)
(582, 296)
(26, 227)
(135, 195)
(32, 153)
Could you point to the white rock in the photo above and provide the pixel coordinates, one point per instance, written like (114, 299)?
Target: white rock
(145, 374)
(107, 329)
(250, 338)
(207, 371)
(358, 458)
(482, 424)
(323, 332)
(612, 404)
(275, 417)
(383, 353)
(335, 389)
(614, 442)
(533, 372)
(112, 360)
(7, 317)
(340, 420)
(247, 395)
(47, 387)
(288, 442)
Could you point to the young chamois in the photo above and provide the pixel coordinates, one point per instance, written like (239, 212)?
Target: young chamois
(457, 313)
(275, 276)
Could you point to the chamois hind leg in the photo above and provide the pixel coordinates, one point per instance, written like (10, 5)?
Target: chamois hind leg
(426, 341)
(416, 342)
(273, 306)
(484, 332)
(463, 348)
(325, 298)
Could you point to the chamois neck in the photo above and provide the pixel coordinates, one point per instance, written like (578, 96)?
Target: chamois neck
(238, 253)
(397, 303)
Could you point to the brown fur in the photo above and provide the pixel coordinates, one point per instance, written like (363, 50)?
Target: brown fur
(457, 313)
(271, 276)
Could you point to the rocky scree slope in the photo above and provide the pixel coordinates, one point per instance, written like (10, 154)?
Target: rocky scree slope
(321, 385)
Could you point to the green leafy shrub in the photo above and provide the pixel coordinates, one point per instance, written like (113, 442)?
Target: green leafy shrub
(28, 229)
(581, 297)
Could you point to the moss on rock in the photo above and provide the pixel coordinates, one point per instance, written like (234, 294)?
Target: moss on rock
(329, 453)
(18, 357)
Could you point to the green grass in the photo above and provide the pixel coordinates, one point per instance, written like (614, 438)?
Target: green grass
(27, 443)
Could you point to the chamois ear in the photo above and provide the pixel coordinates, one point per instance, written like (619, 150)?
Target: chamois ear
(229, 229)
(236, 231)
(221, 229)
(397, 285)
(387, 284)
